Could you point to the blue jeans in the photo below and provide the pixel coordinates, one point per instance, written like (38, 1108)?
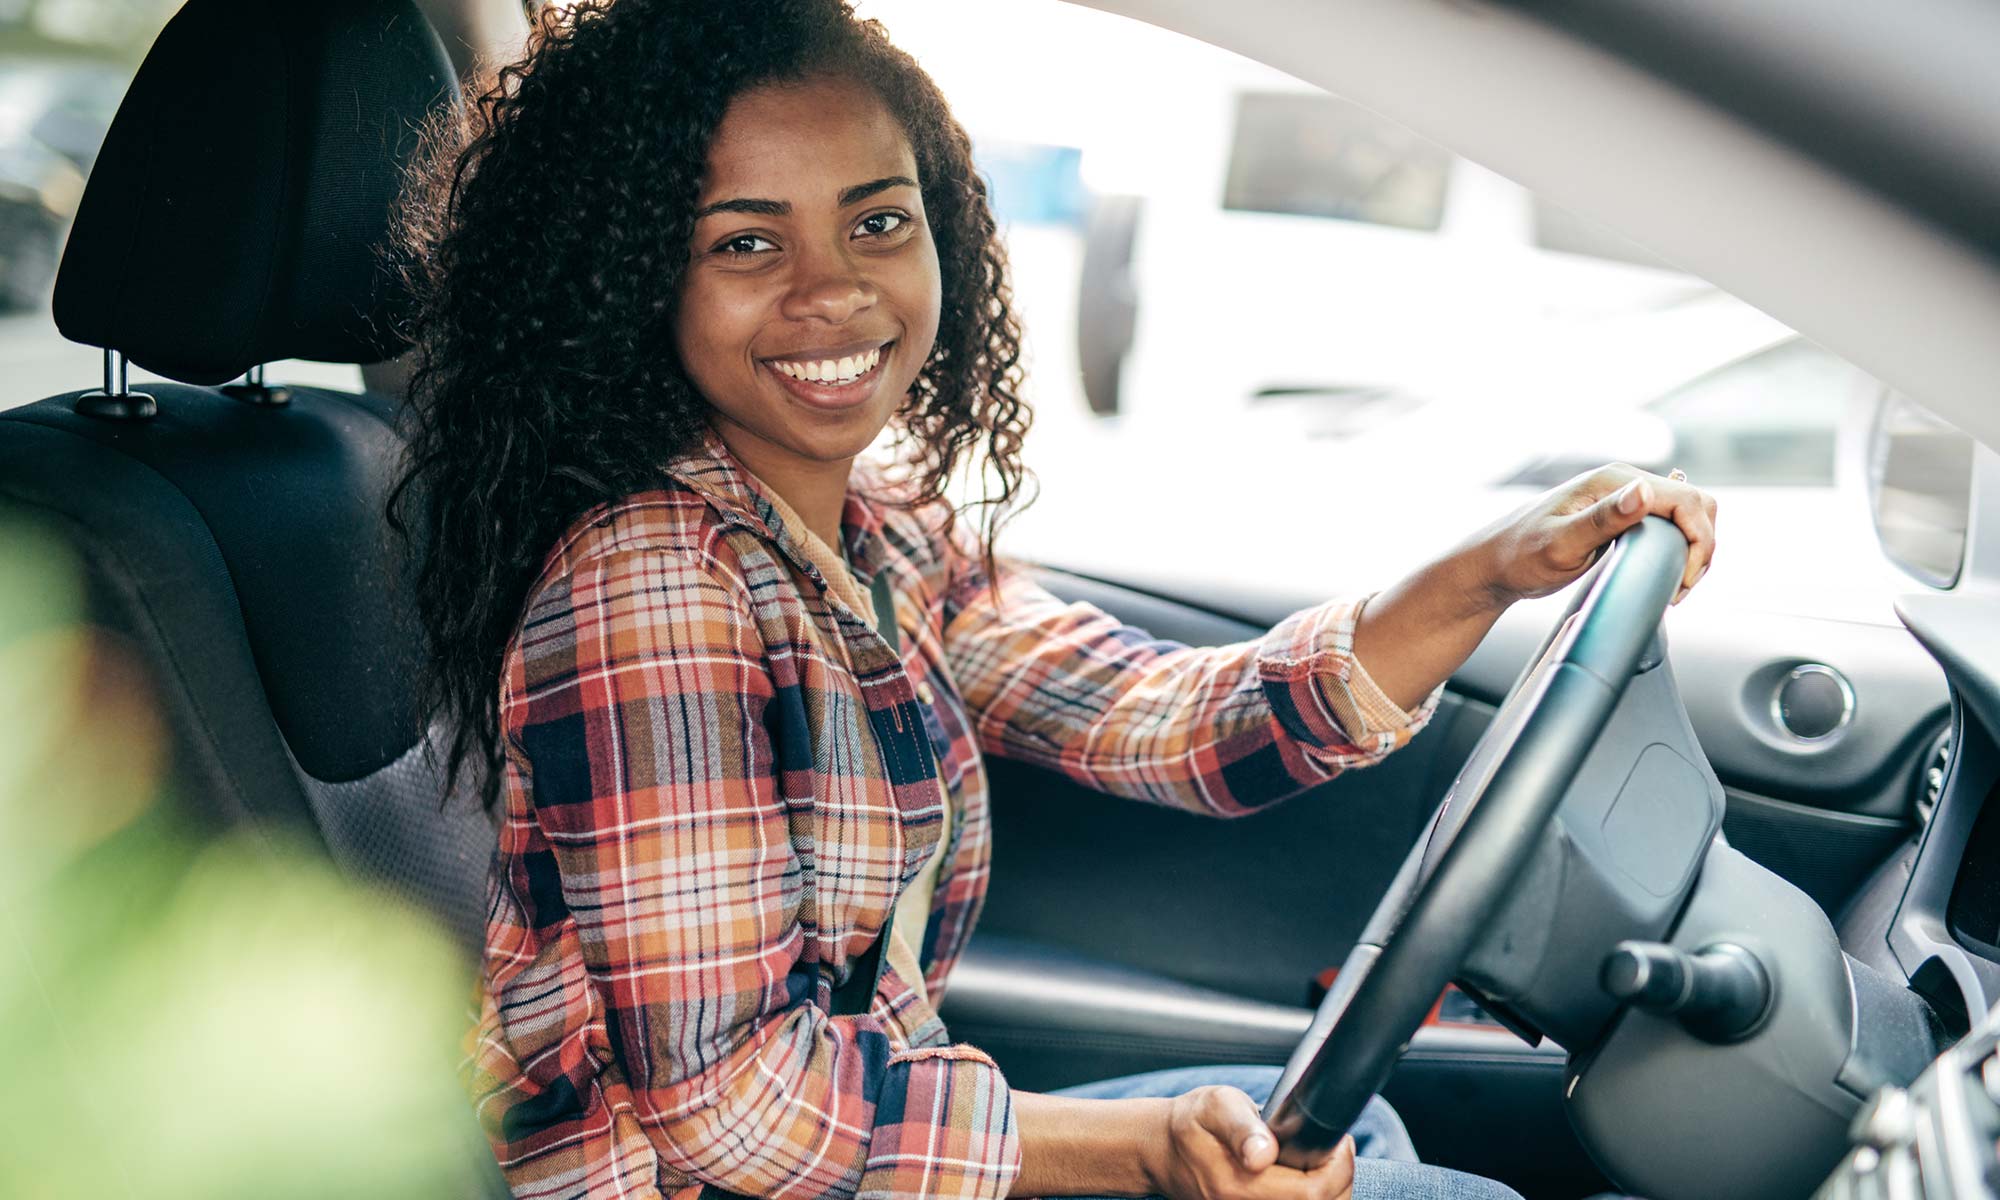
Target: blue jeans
(1386, 1167)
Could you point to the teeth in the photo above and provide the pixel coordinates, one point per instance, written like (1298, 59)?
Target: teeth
(833, 371)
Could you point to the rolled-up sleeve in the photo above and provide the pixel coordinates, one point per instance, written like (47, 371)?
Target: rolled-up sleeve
(1323, 695)
(655, 786)
(1222, 730)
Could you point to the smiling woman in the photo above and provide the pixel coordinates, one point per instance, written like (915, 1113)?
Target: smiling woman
(732, 685)
(812, 297)
(556, 330)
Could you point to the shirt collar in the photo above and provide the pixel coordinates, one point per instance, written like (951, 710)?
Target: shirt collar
(709, 469)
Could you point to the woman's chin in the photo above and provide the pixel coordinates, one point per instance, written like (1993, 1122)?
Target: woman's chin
(805, 439)
(834, 434)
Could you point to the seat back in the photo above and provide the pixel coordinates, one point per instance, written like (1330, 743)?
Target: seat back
(237, 537)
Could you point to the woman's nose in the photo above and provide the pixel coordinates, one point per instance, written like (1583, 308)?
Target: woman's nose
(828, 287)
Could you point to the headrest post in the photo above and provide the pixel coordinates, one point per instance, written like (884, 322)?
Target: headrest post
(251, 390)
(117, 402)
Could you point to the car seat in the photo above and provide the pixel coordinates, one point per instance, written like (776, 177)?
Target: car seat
(235, 536)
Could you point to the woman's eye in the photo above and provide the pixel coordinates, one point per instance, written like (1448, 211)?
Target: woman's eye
(877, 224)
(744, 244)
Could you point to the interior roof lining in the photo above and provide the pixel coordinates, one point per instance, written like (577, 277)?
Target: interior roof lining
(1906, 107)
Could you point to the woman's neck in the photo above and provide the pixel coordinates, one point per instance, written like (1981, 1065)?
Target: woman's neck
(816, 491)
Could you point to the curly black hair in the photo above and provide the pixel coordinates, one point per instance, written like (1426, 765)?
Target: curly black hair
(543, 236)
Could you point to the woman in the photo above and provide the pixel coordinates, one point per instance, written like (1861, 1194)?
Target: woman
(730, 685)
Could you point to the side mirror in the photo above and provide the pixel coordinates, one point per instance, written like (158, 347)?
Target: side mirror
(1919, 489)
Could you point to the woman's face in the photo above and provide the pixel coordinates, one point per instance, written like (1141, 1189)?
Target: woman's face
(812, 291)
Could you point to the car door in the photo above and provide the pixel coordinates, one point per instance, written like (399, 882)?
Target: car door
(1120, 937)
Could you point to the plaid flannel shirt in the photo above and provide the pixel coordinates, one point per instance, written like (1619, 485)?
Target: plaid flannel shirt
(714, 791)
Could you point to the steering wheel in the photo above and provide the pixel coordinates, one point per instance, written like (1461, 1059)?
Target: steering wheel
(1484, 833)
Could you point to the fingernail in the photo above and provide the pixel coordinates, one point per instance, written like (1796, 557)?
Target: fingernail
(1254, 1145)
(1628, 497)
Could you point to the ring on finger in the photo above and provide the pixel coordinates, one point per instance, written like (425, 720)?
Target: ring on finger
(1677, 475)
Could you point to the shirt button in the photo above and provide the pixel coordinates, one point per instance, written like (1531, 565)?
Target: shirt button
(924, 692)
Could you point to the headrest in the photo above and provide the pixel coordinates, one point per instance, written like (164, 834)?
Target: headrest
(235, 212)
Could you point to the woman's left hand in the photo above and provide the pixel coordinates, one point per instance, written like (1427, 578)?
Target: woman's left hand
(1541, 548)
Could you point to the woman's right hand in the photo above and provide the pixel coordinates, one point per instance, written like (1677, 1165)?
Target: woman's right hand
(1217, 1147)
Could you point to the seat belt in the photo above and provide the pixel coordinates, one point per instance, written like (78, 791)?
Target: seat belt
(853, 997)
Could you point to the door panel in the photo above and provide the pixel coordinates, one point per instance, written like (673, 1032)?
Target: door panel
(1255, 906)
(1242, 899)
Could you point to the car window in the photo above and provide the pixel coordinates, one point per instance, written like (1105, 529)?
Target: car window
(1274, 319)
(64, 66)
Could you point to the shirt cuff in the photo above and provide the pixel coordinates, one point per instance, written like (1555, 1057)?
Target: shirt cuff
(1324, 697)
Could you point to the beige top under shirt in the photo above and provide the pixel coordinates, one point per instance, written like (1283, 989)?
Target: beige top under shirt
(913, 907)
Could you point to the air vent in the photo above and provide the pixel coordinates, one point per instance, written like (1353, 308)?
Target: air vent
(1813, 703)
(1930, 775)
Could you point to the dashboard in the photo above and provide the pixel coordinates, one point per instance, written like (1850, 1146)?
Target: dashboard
(1736, 669)
(1941, 927)
(1944, 928)
(1821, 794)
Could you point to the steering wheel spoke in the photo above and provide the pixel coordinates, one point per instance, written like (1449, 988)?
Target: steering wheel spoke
(1485, 832)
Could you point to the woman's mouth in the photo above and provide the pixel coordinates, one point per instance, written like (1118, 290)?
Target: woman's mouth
(834, 382)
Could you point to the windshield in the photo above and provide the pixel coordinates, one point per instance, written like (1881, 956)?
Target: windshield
(1244, 294)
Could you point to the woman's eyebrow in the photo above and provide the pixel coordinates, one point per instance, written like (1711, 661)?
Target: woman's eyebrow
(781, 208)
(756, 208)
(861, 191)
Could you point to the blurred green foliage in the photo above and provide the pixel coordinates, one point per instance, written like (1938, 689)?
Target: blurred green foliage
(183, 1015)
(113, 29)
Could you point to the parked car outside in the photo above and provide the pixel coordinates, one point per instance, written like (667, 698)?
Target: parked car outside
(53, 114)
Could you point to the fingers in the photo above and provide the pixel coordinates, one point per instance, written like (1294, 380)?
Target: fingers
(1334, 1178)
(1617, 511)
(1331, 1180)
(1690, 509)
(1257, 1151)
(1693, 511)
(1233, 1118)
